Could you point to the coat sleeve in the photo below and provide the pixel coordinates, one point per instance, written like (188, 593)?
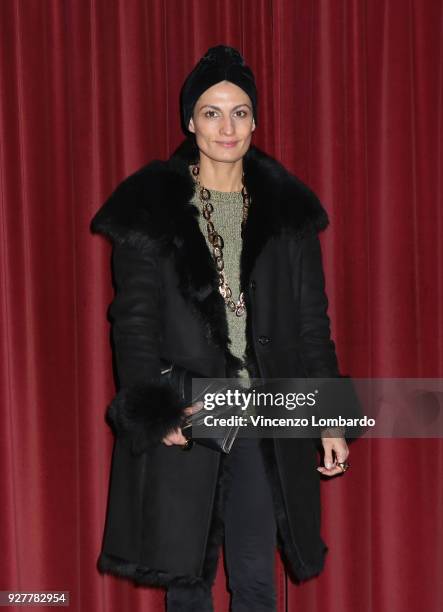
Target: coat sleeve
(145, 408)
(317, 349)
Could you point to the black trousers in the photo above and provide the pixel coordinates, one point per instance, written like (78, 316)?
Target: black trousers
(249, 544)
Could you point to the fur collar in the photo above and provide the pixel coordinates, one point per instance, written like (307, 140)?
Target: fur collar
(153, 205)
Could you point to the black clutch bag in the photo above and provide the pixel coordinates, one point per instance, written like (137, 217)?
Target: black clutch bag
(181, 379)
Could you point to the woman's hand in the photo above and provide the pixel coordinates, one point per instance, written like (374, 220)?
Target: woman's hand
(176, 436)
(341, 450)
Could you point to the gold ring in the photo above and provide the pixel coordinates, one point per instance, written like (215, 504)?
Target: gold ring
(343, 466)
(188, 444)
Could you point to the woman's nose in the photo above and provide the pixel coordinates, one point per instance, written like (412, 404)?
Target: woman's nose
(227, 126)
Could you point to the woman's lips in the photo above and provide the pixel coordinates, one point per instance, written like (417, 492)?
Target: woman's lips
(227, 144)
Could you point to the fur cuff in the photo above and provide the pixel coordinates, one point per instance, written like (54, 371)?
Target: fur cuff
(146, 412)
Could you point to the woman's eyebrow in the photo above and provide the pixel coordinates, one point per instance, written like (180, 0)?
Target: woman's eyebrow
(218, 108)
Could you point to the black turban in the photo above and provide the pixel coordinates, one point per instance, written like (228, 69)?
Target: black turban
(220, 63)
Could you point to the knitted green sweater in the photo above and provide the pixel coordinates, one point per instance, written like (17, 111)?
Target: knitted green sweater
(227, 216)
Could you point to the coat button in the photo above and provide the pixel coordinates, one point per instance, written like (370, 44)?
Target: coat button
(264, 339)
(252, 284)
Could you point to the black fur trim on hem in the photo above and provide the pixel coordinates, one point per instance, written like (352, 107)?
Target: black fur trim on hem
(142, 575)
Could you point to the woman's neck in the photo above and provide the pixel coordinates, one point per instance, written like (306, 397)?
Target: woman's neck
(221, 176)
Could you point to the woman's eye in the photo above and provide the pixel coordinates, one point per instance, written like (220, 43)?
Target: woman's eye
(208, 113)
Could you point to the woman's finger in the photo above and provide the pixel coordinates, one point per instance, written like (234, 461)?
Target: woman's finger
(341, 455)
(175, 437)
(194, 408)
(330, 472)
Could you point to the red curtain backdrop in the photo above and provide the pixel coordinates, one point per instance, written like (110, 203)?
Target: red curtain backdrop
(351, 101)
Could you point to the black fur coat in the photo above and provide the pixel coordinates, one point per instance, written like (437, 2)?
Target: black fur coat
(167, 306)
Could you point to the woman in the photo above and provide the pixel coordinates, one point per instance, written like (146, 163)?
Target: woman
(169, 511)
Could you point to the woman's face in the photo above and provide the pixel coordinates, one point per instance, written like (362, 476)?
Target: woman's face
(223, 114)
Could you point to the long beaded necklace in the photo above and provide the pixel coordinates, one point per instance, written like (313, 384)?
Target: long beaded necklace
(239, 307)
